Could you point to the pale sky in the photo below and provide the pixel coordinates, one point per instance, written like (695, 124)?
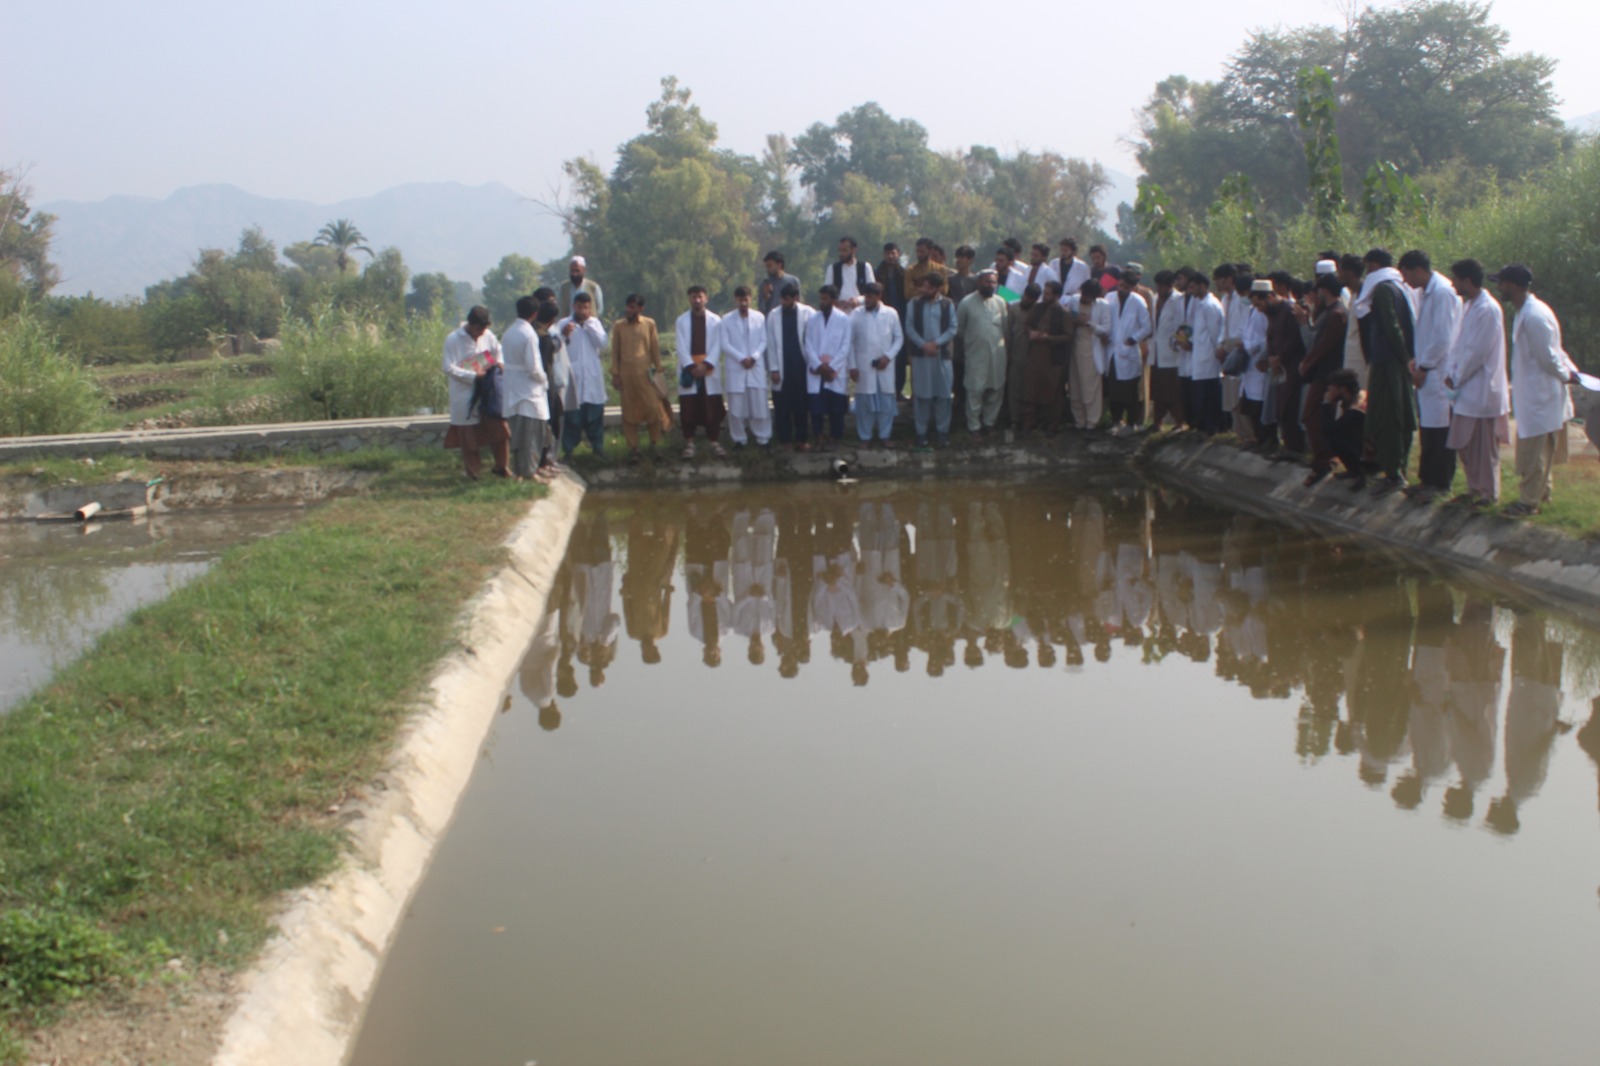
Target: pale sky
(341, 98)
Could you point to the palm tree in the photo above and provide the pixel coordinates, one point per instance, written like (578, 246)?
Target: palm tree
(343, 237)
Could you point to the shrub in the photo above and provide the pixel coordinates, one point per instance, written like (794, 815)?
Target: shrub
(47, 956)
(342, 364)
(43, 390)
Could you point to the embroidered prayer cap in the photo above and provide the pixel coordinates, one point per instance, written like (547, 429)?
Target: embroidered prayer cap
(1261, 285)
(581, 261)
(1326, 266)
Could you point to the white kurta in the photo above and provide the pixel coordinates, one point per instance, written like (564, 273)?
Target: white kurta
(584, 345)
(523, 386)
(459, 352)
(1540, 369)
(745, 337)
(848, 289)
(874, 335)
(1130, 326)
(683, 331)
(1438, 312)
(1099, 315)
(1209, 323)
(1476, 366)
(827, 341)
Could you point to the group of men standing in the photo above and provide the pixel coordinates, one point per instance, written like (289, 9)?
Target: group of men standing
(1347, 368)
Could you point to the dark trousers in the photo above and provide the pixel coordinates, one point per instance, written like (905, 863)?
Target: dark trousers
(1316, 418)
(1204, 405)
(1348, 439)
(790, 406)
(1437, 465)
(831, 406)
(587, 422)
(902, 362)
(1294, 437)
(695, 411)
(552, 436)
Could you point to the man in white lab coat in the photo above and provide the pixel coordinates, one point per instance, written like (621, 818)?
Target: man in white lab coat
(585, 402)
(744, 366)
(876, 337)
(1540, 374)
(1438, 312)
(786, 366)
(1130, 328)
(1475, 375)
(469, 352)
(699, 337)
(1207, 322)
(827, 351)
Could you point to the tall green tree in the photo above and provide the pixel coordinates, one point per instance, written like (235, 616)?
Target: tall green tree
(672, 213)
(515, 276)
(434, 296)
(344, 237)
(25, 236)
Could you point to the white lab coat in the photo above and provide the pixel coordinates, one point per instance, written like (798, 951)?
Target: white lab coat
(743, 337)
(1130, 326)
(775, 337)
(874, 335)
(459, 351)
(1438, 312)
(1073, 273)
(1167, 322)
(1540, 369)
(1477, 360)
(587, 383)
(1045, 273)
(1253, 385)
(827, 339)
(1209, 323)
(713, 349)
(523, 385)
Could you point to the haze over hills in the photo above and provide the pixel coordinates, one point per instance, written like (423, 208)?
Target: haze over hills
(117, 246)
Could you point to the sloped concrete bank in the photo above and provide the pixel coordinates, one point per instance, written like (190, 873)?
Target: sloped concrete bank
(22, 498)
(1523, 561)
(303, 999)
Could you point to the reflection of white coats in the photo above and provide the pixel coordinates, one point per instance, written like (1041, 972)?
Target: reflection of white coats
(827, 340)
(1130, 326)
(1540, 368)
(1438, 313)
(1209, 323)
(594, 583)
(743, 337)
(713, 348)
(803, 315)
(835, 608)
(1477, 362)
(875, 335)
(459, 351)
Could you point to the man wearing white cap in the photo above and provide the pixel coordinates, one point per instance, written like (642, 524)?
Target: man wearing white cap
(578, 281)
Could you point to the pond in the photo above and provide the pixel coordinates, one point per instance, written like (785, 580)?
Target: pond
(64, 584)
(1010, 773)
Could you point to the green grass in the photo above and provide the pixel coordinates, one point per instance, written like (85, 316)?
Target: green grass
(171, 783)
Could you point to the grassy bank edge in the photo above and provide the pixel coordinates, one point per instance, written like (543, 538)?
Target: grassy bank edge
(162, 792)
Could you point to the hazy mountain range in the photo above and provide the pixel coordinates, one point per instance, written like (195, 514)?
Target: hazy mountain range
(117, 246)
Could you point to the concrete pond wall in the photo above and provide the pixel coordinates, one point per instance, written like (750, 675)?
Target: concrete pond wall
(1512, 557)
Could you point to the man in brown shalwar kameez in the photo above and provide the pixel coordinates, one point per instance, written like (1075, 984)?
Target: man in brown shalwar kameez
(635, 369)
(1050, 336)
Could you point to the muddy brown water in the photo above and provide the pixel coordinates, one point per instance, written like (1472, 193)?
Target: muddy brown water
(1010, 773)
(64, 584)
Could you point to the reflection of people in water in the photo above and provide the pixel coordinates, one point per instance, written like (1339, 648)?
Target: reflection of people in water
(593, 583)
(751, 575)
(1379, 708)
(884, 600)
(647, 586)
(1533, 712)
(1476, 661)
(706, 544)
(1427, 731)
(537, 675)
(986, 578)
(792, 590)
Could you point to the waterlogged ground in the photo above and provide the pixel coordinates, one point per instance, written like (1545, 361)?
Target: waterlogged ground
(64, 584)
(950, 773)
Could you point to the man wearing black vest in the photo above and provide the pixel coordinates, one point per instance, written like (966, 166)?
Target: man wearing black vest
(930, 327)
(848, 276)
(892, 278)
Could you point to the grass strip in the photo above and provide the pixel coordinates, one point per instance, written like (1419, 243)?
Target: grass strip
(181, 774)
